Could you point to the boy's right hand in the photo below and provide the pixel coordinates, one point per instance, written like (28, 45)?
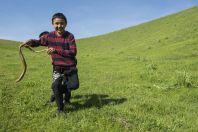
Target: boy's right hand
(51, 51)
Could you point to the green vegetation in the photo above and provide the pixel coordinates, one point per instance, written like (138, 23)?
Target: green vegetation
(143, 78)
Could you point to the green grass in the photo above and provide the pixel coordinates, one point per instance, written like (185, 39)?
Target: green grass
(142, 78)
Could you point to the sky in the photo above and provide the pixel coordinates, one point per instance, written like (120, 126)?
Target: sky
(24, 19)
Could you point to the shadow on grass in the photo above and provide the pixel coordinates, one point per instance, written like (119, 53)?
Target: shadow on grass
(93, 100)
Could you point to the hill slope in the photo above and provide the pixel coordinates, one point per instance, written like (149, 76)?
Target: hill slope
(142, 78)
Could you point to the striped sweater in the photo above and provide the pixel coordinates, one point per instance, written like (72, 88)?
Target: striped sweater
(65, 47)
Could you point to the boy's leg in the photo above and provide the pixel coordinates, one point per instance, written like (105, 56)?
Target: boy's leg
(57, 89)
(66, 91)
(67, 96)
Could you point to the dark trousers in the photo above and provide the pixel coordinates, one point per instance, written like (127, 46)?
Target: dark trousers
(57, 89)
(64, 80)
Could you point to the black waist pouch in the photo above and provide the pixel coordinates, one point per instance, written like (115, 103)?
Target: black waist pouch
(72, 78)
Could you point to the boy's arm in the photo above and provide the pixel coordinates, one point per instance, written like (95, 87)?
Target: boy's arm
(72, 48)
(35, 43)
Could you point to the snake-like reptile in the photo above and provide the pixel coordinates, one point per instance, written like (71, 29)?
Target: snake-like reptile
(23, 59)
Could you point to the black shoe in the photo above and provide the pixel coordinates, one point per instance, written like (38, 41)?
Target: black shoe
(52, 98)
(60, 113)
(66, 101)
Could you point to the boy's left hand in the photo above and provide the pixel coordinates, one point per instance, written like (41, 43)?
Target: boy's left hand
(51, 51)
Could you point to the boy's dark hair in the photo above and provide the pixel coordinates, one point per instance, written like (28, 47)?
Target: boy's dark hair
(59, 15)
(43, 33)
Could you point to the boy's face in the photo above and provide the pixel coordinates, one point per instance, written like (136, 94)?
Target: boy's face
(59, 25)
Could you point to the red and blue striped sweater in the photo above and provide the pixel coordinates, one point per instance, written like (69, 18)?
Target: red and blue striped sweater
(65, 47)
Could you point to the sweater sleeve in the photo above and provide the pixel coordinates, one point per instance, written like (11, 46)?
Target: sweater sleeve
(72, 51)
(41, 42)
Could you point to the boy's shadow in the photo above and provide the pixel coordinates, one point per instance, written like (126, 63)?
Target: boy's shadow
(93, 100)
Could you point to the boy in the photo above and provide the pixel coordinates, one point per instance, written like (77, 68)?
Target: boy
(68, 93)
(62, 48)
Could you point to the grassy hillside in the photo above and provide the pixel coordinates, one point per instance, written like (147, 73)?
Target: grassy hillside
(142, 78)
